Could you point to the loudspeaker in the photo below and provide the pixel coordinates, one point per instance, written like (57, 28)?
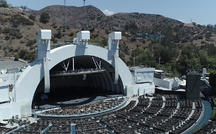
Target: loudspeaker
(193, 86)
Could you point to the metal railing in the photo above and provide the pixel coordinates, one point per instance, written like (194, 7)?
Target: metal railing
(77, 72)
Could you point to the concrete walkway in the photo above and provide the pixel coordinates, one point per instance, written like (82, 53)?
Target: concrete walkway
(204, 117)
(162, 107)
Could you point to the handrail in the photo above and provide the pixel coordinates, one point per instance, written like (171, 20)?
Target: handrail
(14, 130)
(46, 129)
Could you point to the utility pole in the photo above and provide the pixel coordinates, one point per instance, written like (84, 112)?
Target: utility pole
(86, 18)
(134, 58)
(84, 2)
(64, 29)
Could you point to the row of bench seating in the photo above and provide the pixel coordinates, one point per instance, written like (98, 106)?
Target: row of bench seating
(158, 114)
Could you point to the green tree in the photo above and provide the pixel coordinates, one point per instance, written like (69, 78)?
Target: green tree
(3, 3)
(203, 58)
(145, 58)
(16, 57)
(165, 53)
(44, 17)
(211, 50)
(212, 63)
(189, 60)
(212, 80)
(58, 35)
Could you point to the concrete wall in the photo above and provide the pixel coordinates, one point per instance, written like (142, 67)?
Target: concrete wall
(4, 94)
(163, 83)
(144, 88)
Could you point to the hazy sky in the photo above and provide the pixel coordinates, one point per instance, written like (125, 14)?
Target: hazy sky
(199, 11)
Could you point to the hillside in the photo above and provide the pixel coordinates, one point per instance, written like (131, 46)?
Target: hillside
(75, 16)
(152, 39)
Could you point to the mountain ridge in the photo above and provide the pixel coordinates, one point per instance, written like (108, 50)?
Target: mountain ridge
(141, 32)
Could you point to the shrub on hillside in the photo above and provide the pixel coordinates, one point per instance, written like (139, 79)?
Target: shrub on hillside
(12, 33)
(54, 40)
(30, 42)
(32, 17)
(17, 20)
(44, 17)
(26, 55)
(58, 35)
(208, 35)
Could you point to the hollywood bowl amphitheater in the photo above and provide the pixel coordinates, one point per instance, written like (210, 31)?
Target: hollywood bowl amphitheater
(81, 88)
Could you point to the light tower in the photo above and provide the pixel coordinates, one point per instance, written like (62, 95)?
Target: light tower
(84, 2)
(86, 12)
(64, 19)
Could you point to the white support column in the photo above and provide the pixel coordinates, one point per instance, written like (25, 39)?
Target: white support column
(116, 57)
(73, 64)
(46, 76)
(83, 37)
(44, 37)
(113, 43)
(81, 42)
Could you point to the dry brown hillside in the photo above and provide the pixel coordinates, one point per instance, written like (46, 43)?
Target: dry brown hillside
(18, 30)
